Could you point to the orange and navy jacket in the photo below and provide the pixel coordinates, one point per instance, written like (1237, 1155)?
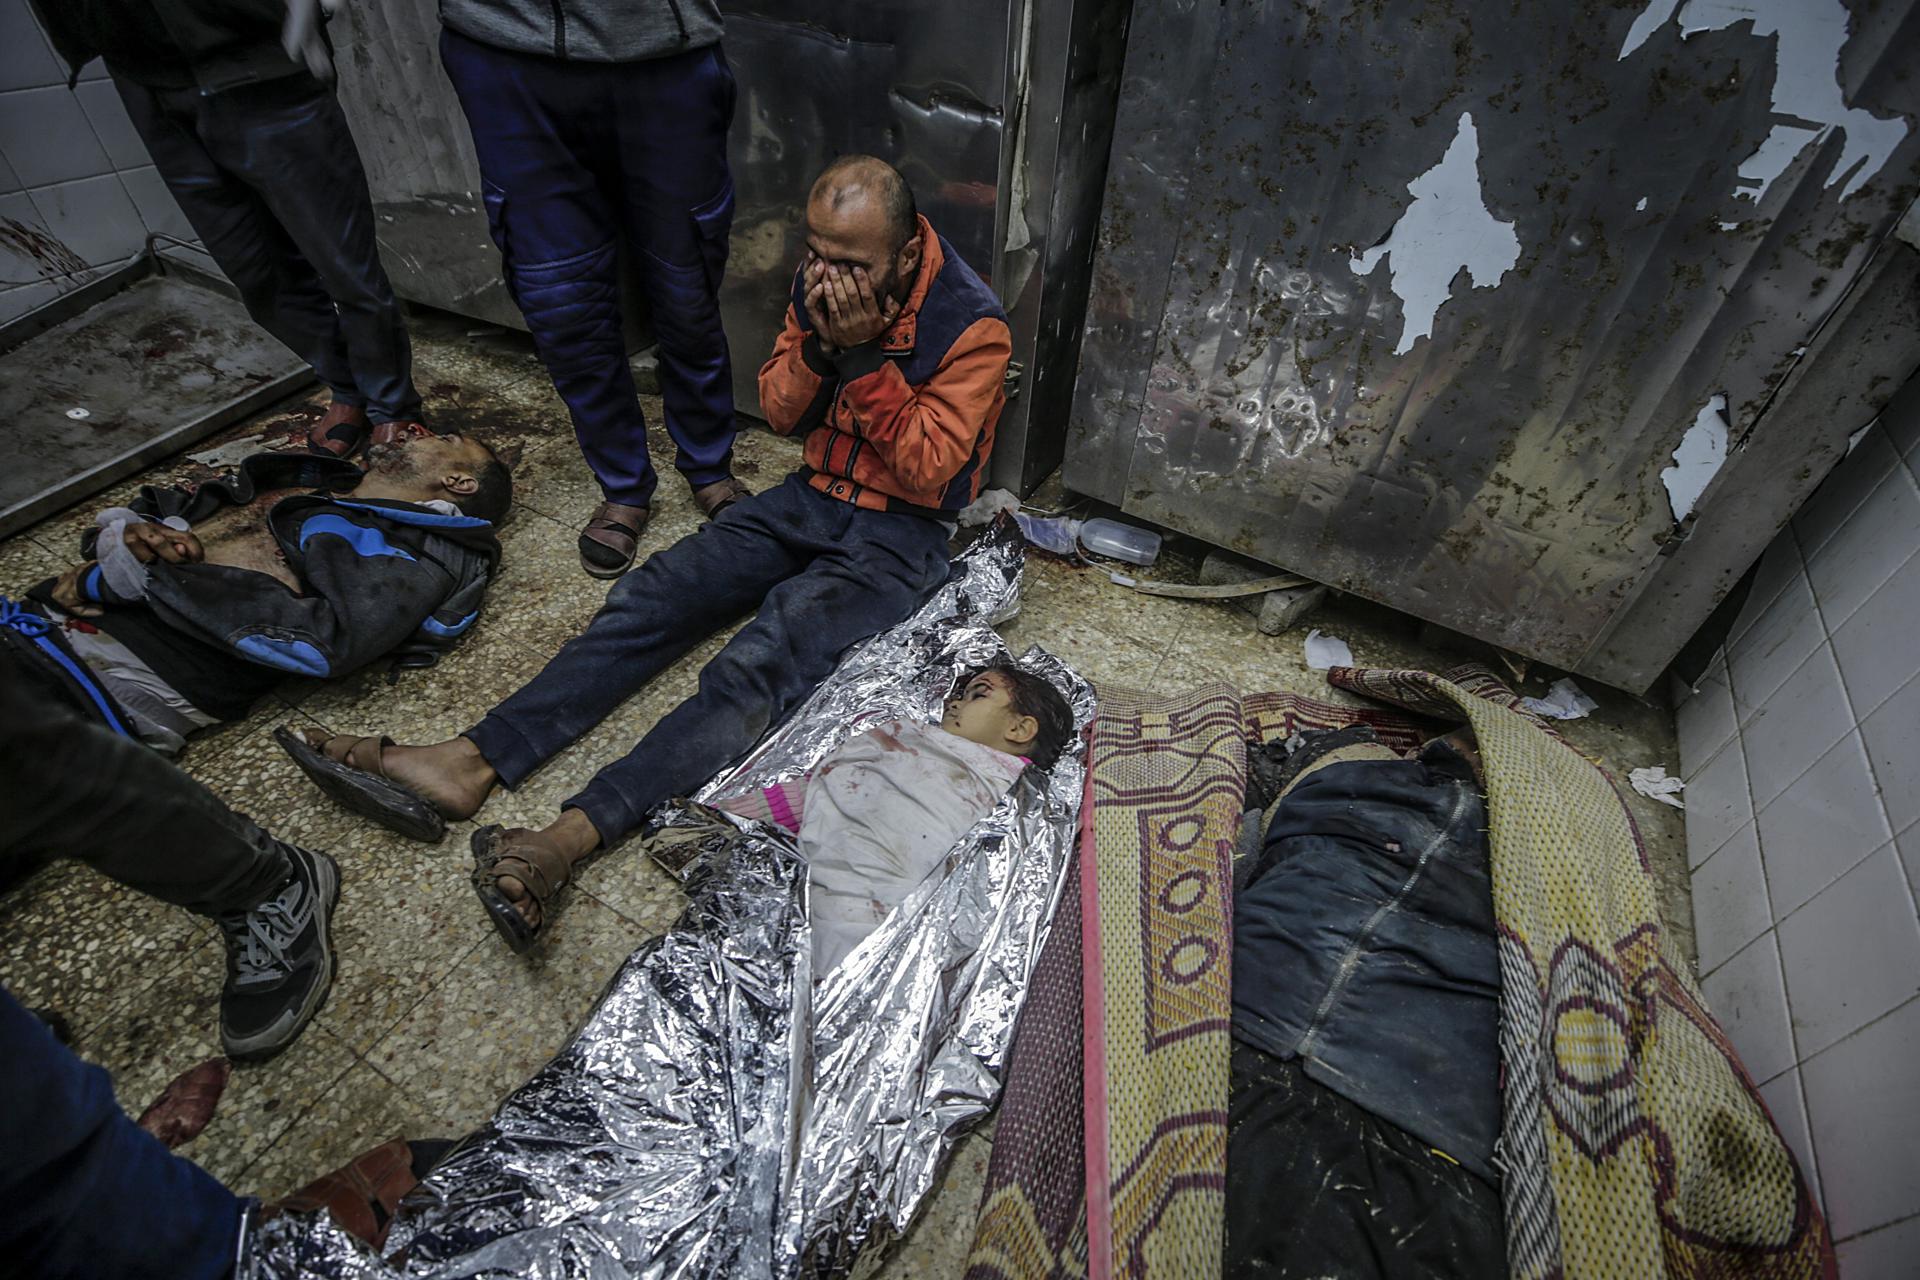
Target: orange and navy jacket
(905, 422)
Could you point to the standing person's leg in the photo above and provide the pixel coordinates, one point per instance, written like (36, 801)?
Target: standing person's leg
(541, 129)
(88, 1192)
(77, 789)
(278, 287)
(677, 210)
(289, 141)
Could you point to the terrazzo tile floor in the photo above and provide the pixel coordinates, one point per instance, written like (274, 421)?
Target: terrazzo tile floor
(431, 1019)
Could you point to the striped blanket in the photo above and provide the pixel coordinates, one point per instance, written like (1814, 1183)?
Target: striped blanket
(1634, 1143)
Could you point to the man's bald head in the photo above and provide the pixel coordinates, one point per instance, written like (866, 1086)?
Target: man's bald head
(852, 181)
(860, 217)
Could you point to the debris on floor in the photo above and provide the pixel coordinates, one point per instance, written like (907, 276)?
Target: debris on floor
(1565, 700)
(1653, 783)
(1325, 652)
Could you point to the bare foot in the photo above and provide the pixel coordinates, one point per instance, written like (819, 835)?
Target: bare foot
(571, 835)
(452, 775)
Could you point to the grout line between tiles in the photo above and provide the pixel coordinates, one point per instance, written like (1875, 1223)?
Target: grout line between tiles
(353, 1060)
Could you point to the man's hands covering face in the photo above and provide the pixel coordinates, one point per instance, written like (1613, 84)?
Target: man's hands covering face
(843, 307)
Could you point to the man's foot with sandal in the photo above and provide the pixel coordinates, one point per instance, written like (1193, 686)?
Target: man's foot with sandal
(411, 790)
(714, 498)
(341, 431)
(517, 872)
(612, 538)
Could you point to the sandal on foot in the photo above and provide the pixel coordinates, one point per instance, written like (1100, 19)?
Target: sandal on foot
(359, 781)
(340, 432)
(714, 498)
(541, 871)
(611, 539)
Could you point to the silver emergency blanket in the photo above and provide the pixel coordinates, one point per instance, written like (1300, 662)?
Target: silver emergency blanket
(719, 1113)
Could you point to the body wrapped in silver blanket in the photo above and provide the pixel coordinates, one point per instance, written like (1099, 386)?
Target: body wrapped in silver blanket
(720, 1114)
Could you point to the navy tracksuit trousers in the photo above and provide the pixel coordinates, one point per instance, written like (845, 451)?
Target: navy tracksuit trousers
(574, 157)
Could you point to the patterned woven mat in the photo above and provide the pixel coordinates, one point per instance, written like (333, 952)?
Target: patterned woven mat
(1634, 1143)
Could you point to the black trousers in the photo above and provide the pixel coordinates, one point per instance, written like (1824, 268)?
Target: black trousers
(76, 789)
(270, 179)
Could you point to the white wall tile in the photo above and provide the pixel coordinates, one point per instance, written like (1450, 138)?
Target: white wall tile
(1704, 722)
(47, 137)
(17, 300)
(1779, 565)
(1879, 646)
(1875, 541)
(1892, 735)
(1851, 954)
(9, 181)
(1891, 1253)
(1717, 804)
(1901, 418)
(1749, 998)
(1908, 843)
(1780, 639)
(94, 218)
(1782, 1096)
(1844, 489)
(156, 204)
(25, 60)
(1801, 721)
(1729, 900)
(19, 215)
(101, 101)
(1821, 826)
(1863, 1104)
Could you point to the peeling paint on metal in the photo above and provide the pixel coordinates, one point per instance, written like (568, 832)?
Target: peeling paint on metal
(1702, 452)
(1806, 84)
(1446, 229)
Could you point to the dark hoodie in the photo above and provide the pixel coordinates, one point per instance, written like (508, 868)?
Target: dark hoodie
(377, 578)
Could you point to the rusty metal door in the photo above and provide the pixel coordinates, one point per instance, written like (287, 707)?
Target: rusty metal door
(1486, 310)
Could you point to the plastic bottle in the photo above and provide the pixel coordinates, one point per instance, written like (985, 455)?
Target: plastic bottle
(1120, 541)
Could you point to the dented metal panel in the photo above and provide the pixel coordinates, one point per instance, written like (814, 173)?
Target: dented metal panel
(1421, 299)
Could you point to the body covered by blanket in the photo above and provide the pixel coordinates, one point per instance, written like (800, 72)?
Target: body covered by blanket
(1632, 1142)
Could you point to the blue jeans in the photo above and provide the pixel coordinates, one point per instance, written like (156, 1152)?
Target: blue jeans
(574, 156)
(88, 1193)
(825, 575)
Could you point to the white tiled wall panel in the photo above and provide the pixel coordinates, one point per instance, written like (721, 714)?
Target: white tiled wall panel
(78, 191)
(1802, 755)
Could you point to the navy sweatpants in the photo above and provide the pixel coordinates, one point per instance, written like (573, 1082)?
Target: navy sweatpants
(824, 573)
(574, 157)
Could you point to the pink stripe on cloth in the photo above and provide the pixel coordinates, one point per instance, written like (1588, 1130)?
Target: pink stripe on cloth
(776, 798)
(1094, 1052)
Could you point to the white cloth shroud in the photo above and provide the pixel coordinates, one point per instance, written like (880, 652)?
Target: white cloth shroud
(881, 813)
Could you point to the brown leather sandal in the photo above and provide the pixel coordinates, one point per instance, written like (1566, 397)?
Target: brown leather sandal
(543, 872)
(357, 779)
(340, 432)
(714, 498)
(612, 538)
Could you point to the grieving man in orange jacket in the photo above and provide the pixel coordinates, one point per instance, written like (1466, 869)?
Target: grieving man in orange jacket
(892, 364)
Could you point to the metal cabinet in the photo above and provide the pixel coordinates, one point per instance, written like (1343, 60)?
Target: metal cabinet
(1423, 297)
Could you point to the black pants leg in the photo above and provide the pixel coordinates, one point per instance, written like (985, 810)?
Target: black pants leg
(269, 176)
(76, 789)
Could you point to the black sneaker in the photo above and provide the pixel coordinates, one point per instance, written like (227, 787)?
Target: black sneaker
(279, 960)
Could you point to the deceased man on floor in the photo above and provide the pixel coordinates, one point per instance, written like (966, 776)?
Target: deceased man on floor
(196, 601)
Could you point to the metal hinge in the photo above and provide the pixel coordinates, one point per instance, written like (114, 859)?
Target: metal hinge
(1015, 372)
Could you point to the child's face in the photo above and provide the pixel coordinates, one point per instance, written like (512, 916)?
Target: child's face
(983, 712)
